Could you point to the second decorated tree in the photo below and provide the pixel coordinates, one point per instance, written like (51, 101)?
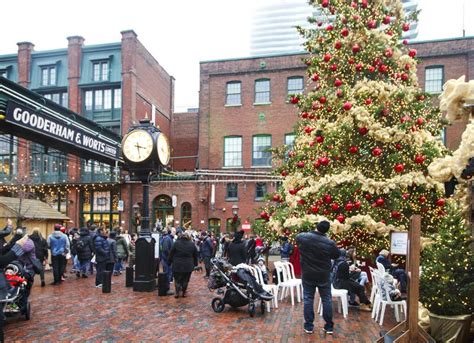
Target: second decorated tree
(366, 133)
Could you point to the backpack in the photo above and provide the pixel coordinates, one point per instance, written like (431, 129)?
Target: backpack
(80, 245)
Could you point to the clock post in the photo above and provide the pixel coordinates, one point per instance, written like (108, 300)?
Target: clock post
(145, 150)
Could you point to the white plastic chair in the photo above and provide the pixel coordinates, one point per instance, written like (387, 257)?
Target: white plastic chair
(292, 276)
(381, 268)
(374, 288)
(381, 304)
(342, 295)
(273, 289)
(287, 283)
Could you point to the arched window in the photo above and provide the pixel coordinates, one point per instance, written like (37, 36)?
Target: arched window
(186, 211)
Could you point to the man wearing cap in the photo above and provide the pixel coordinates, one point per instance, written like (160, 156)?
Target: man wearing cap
(317, 251)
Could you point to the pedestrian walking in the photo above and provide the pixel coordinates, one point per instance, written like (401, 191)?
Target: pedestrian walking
(102, 255)
(85, 249)
(122, 254)
(58, 243)
(183, 258)
(41, 251)
(317, 251)
(112, 251)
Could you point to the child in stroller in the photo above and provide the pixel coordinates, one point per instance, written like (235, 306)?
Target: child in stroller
(241, 287)
(14, 303)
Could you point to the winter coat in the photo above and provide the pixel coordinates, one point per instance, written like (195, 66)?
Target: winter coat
(166, 243)
(84, 246)
(316, 251)
(102, 249)
(207, 249)
(112, 250)
(237, 252)
(183, 256)
(41, 247)
(122, 247)
(5, 233)
(58, 243)
(286, 250)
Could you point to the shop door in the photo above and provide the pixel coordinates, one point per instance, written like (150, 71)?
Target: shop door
(215, 225)
(163, 211)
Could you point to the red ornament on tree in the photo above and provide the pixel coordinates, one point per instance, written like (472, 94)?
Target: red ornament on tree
(412, 53)
(339, 93)
(329, 27)
(301, 202)
(319, 139)
(277, 198)
(327, 198)
(440, 202)
(386, 20)
(327, 57)
(422, 199)
(388, 52)
(315, 77)
(316, 164)
(335, 206)
(380, 202)
(358, 67)
(314, 209)
(353, 149)
(341, 218)
(338, 45)
(405, 196)
(399, 167)
(294, 99)
(355, 48)
(404, 76)
(347, 106)
(344, 32)
(304, 115)
(372, 24)
(363, 131)
(338, 83)
(368, 196)
(264, 215)
(419, 159)
(368, 101)
(405, 42)
(300, 164)
(420, 121)
(383, 68)
(376, 151)
(357, 204)
(322, 100)
(284, 173)
(324, 161)
(406, 27)
(293, 191)
(334, 67)
(349, 206)
(405, 119)
(371, 69)
(325, 3)
(396, 214)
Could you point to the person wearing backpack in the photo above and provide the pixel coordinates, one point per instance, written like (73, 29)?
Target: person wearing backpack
(102, 255)
(286, 249)
(58, 242)
(85, 248)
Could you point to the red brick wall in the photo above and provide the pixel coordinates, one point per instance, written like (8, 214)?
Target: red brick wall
(184, 141)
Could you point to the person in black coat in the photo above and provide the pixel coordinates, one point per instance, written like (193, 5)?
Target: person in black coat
(183, 258)
(8, 254)
(237, 250)
(85, 249)
(41, 251)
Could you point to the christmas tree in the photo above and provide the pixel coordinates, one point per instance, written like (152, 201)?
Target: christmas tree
(447, 278)
(366, 133)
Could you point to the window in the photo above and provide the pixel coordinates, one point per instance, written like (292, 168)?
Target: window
(262, 91)
(3, 73)
(232, 151)
(434, 79)
(289, 139)
(295, 85)
(48, 76)
(233, 93)
(118, 98)
(186, 215)
(232, 191)
(102, 99)
(60, 98)
(47, 165)
(93, 171)
(100, 71)
(260, 190)
(260, 154)
(8, 156)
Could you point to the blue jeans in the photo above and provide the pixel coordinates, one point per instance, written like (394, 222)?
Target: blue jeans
(84, 266)
(324, 288)
(118, 265)
(75, 265)
(167, 269)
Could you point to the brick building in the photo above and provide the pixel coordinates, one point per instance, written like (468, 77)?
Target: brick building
(114, 85)
(219, 151)
(243, 110)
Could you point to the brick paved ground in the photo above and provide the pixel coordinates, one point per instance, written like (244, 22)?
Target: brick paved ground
(76, 311)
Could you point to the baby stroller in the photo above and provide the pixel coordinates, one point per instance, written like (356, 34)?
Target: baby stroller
(15, 301)
(239, 288)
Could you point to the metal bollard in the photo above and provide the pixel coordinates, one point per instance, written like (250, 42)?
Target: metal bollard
(107, 282)
(129, 277)
(163, 284)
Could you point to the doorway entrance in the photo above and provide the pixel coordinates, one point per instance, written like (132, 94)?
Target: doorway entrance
(163, 211)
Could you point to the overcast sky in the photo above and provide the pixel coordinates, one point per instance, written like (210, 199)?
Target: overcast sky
(179, 34)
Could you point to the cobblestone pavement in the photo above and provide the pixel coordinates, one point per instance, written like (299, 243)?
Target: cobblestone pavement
(76, 311)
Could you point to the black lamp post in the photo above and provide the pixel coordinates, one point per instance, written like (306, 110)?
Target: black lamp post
(146, 151)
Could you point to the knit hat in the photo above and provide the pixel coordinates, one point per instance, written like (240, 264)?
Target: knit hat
(323, 226)
(57, 227)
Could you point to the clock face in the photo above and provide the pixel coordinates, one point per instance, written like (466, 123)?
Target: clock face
(137, 146)
(163, 149)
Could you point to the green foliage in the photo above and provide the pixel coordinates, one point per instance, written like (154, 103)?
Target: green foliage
(447, 278)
